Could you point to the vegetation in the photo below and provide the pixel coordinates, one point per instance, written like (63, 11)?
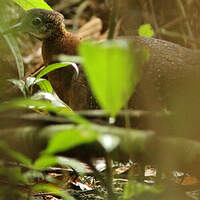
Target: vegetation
(45, 145)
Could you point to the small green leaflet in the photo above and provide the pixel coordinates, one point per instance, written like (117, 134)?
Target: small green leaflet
(146, 30)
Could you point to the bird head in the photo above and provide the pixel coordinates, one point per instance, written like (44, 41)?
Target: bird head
(40, 23)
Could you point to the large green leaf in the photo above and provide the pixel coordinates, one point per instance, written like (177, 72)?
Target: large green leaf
(112, 71)
(29, 4)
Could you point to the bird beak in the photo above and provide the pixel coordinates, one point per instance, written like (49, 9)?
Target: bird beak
(14, 28)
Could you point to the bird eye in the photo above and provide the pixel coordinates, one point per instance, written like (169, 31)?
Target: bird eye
(36, 21)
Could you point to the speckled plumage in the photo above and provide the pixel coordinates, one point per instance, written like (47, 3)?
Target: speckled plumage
(169, 69)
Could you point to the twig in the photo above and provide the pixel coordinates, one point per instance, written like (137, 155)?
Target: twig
(80, 10)
(174, 22)
(131, 113)
(181, 7)
(178, 35)
(113, 18)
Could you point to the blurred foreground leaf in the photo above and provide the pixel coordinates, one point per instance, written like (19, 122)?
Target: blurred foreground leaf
(112, 71)
(66, 139)
(52, 189)
(46, 161)
(14, 174)
(29, 4)
(44, 106)
(75, 164)
(14, 154)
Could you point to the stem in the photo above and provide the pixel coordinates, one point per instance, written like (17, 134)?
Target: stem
(109, 178)
(154, 17)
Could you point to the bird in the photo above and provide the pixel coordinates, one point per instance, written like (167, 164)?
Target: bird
(48, 26)
(170, 79)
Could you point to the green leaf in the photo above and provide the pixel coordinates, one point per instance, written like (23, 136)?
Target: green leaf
(112, 71)
(47, 188)
(51, 98)
(45, 85)
(20, 84)
(146, 30)
(44, 162)
(30, 81)
(52, 67)
(12, 43)
(29, 4)
(14, 154)
(69, 138)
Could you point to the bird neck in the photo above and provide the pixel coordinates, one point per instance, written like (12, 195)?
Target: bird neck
(63, 42)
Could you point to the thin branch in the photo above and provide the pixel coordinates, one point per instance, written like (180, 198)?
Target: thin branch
(154, 17)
